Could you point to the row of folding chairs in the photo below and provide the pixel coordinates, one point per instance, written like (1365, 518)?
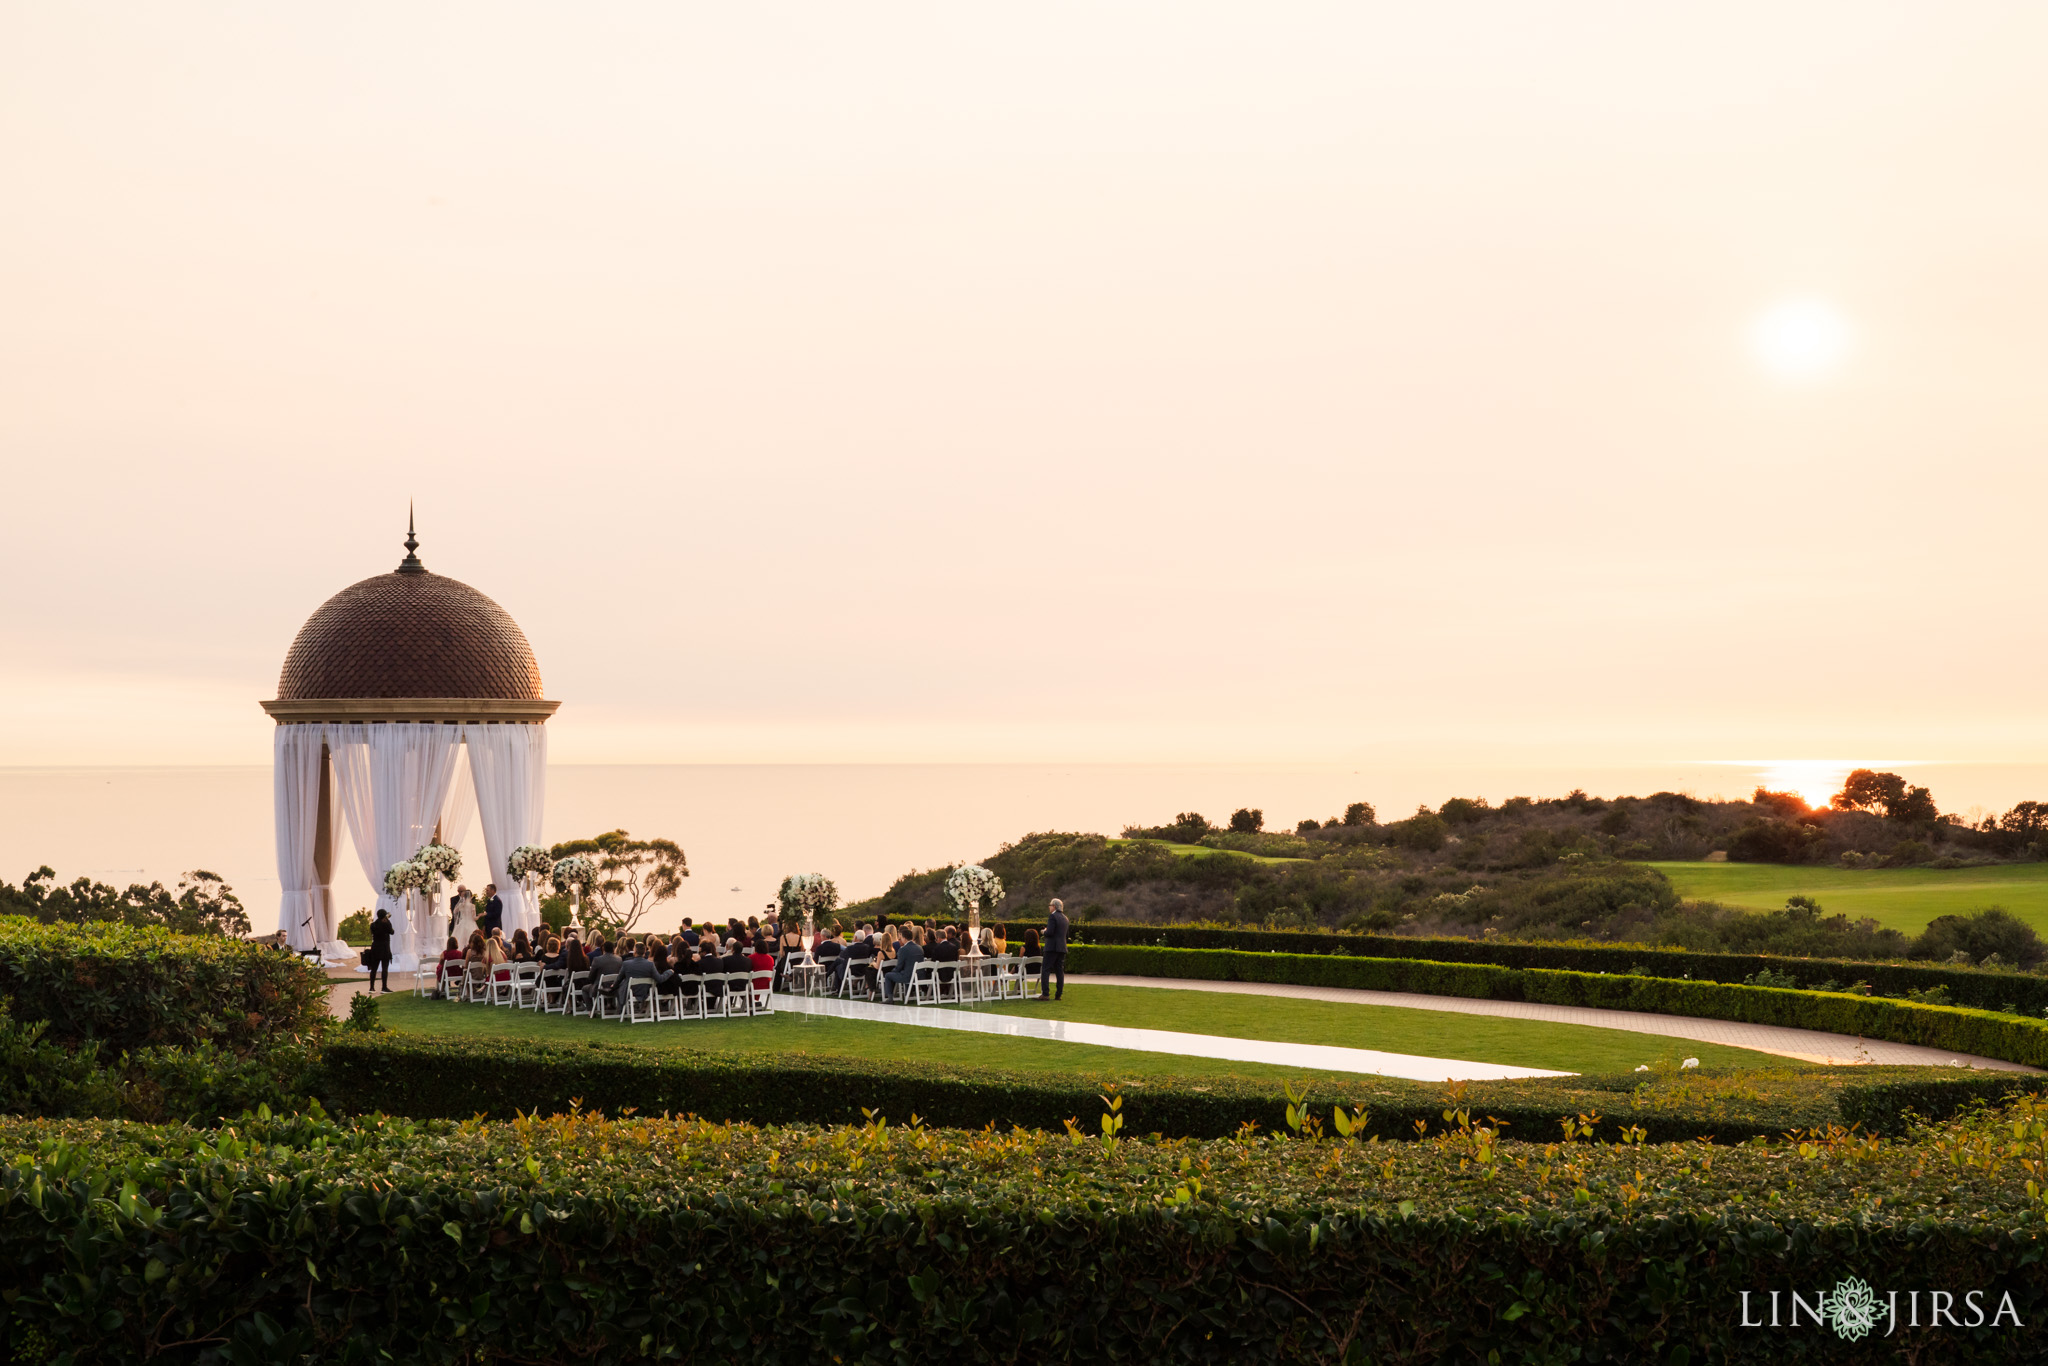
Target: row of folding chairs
(967, 982)
(696, 996)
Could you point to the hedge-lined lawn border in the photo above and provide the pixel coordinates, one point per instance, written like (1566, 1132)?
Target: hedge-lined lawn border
(435, 1079)
(1984, 1033)
(130, 988)
(1986, 990)
(584, 1239)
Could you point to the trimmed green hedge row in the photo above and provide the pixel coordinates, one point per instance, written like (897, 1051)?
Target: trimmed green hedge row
(435, 1079)
(578, 1239)
(1951, 1028)
(129, 988)
(1967, 986)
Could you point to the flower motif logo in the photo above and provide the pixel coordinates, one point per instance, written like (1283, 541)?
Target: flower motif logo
(1852, 1308)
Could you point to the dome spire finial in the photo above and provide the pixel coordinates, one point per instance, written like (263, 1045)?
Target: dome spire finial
(411, 563)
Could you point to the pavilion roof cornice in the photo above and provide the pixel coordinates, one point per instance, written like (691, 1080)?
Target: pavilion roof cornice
(296, 710)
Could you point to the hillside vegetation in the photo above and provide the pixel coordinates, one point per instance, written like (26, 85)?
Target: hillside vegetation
(1573, 867)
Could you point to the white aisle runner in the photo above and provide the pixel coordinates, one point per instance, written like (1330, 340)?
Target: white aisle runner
(1321, 1057)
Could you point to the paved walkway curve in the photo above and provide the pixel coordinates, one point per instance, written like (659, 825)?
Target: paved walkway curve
(1807, 1045)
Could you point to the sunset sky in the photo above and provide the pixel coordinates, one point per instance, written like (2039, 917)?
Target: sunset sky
(1114, 382)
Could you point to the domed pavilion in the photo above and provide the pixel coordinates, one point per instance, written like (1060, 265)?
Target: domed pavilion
(386, 691)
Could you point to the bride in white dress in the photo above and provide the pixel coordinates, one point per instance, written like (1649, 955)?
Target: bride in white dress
(463, 909)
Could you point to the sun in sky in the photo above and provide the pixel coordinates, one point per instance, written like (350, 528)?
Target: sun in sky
(1801, 339)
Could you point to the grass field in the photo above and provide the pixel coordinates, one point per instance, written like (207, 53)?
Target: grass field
(1900, 898)
(1518, 1043)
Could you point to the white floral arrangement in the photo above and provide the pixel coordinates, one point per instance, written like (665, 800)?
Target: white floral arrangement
(969, 885)
(575, 873)
(530, 859)
(437, 860)
(808, 894)
(404, 876)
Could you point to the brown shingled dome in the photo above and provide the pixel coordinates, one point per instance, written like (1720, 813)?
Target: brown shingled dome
(410, 634)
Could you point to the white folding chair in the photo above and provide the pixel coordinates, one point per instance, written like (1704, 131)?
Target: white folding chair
(526, 986)
(854, 983)
(637, 1004)
(606, 1007)
(1028, 969)
(761, 995)
(924, 983)
(476, 983)
(554, 991)
(582, 994)
(736, 993)
(689, 997)
(426, 976)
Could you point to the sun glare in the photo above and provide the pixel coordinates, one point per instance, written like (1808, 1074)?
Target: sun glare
(1801, 339)
(1815, 780)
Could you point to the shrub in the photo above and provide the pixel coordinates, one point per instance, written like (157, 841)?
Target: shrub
(1994, 931)
(354, 927)
(1983, 989)
(1770, 840)
(131, 987)
(583, 1239)
(1424, 831)
(1247, 820)
(1187, 828)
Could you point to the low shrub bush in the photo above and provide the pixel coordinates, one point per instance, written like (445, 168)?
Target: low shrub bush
(202, 1083)
(129, 988)
(1984, 1033)
(432, 1079)
(577, 1238)
(1986, 990)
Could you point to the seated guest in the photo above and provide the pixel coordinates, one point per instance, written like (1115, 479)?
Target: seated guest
(636, 974)
(991, 947)
(688, 933)
(522, 947)
(945, 950)
(763, 963)
(449, 968)
(551, 957)
(576, 963)
(688, 970)
(858, 959)
(604, 963)
(1031, 943)
(902, 965)
(665, 976)
(496, 955)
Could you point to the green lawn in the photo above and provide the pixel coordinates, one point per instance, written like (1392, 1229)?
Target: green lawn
(1391, 1029)
(1900, 898)
(1474, 1038)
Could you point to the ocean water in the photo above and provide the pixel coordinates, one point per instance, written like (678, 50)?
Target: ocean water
(746, 826)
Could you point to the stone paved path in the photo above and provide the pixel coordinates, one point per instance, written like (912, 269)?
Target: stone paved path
(1804, 1044)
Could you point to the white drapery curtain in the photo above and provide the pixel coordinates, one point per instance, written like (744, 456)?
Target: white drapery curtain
(458, 813)
(306, 911)
(508, 763)
(393, 778)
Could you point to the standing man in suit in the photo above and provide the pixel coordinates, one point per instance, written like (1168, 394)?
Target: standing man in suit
(493, 917)
(1053, 965)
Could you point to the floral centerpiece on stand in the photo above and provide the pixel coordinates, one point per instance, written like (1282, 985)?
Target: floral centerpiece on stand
(529, 863)
(438, 863)
(967, 888)
(402, 879)
(809, 895)
(574, 876)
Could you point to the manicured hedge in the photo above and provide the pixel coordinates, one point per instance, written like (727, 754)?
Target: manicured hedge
(1987, 990)
(1981, 1032)
(434, 1079)
(578, 1239)
(128, 988)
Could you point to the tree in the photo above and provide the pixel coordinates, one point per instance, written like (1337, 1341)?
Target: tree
(1785, 806)
(1886, 794)
(1359, 813)
(1247, 820)
(203, 903)
(633, 877)
(2028, 820)
(1306, 826)
(1463, 810)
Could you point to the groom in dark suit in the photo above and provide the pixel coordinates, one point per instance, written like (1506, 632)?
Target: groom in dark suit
(492, 916)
